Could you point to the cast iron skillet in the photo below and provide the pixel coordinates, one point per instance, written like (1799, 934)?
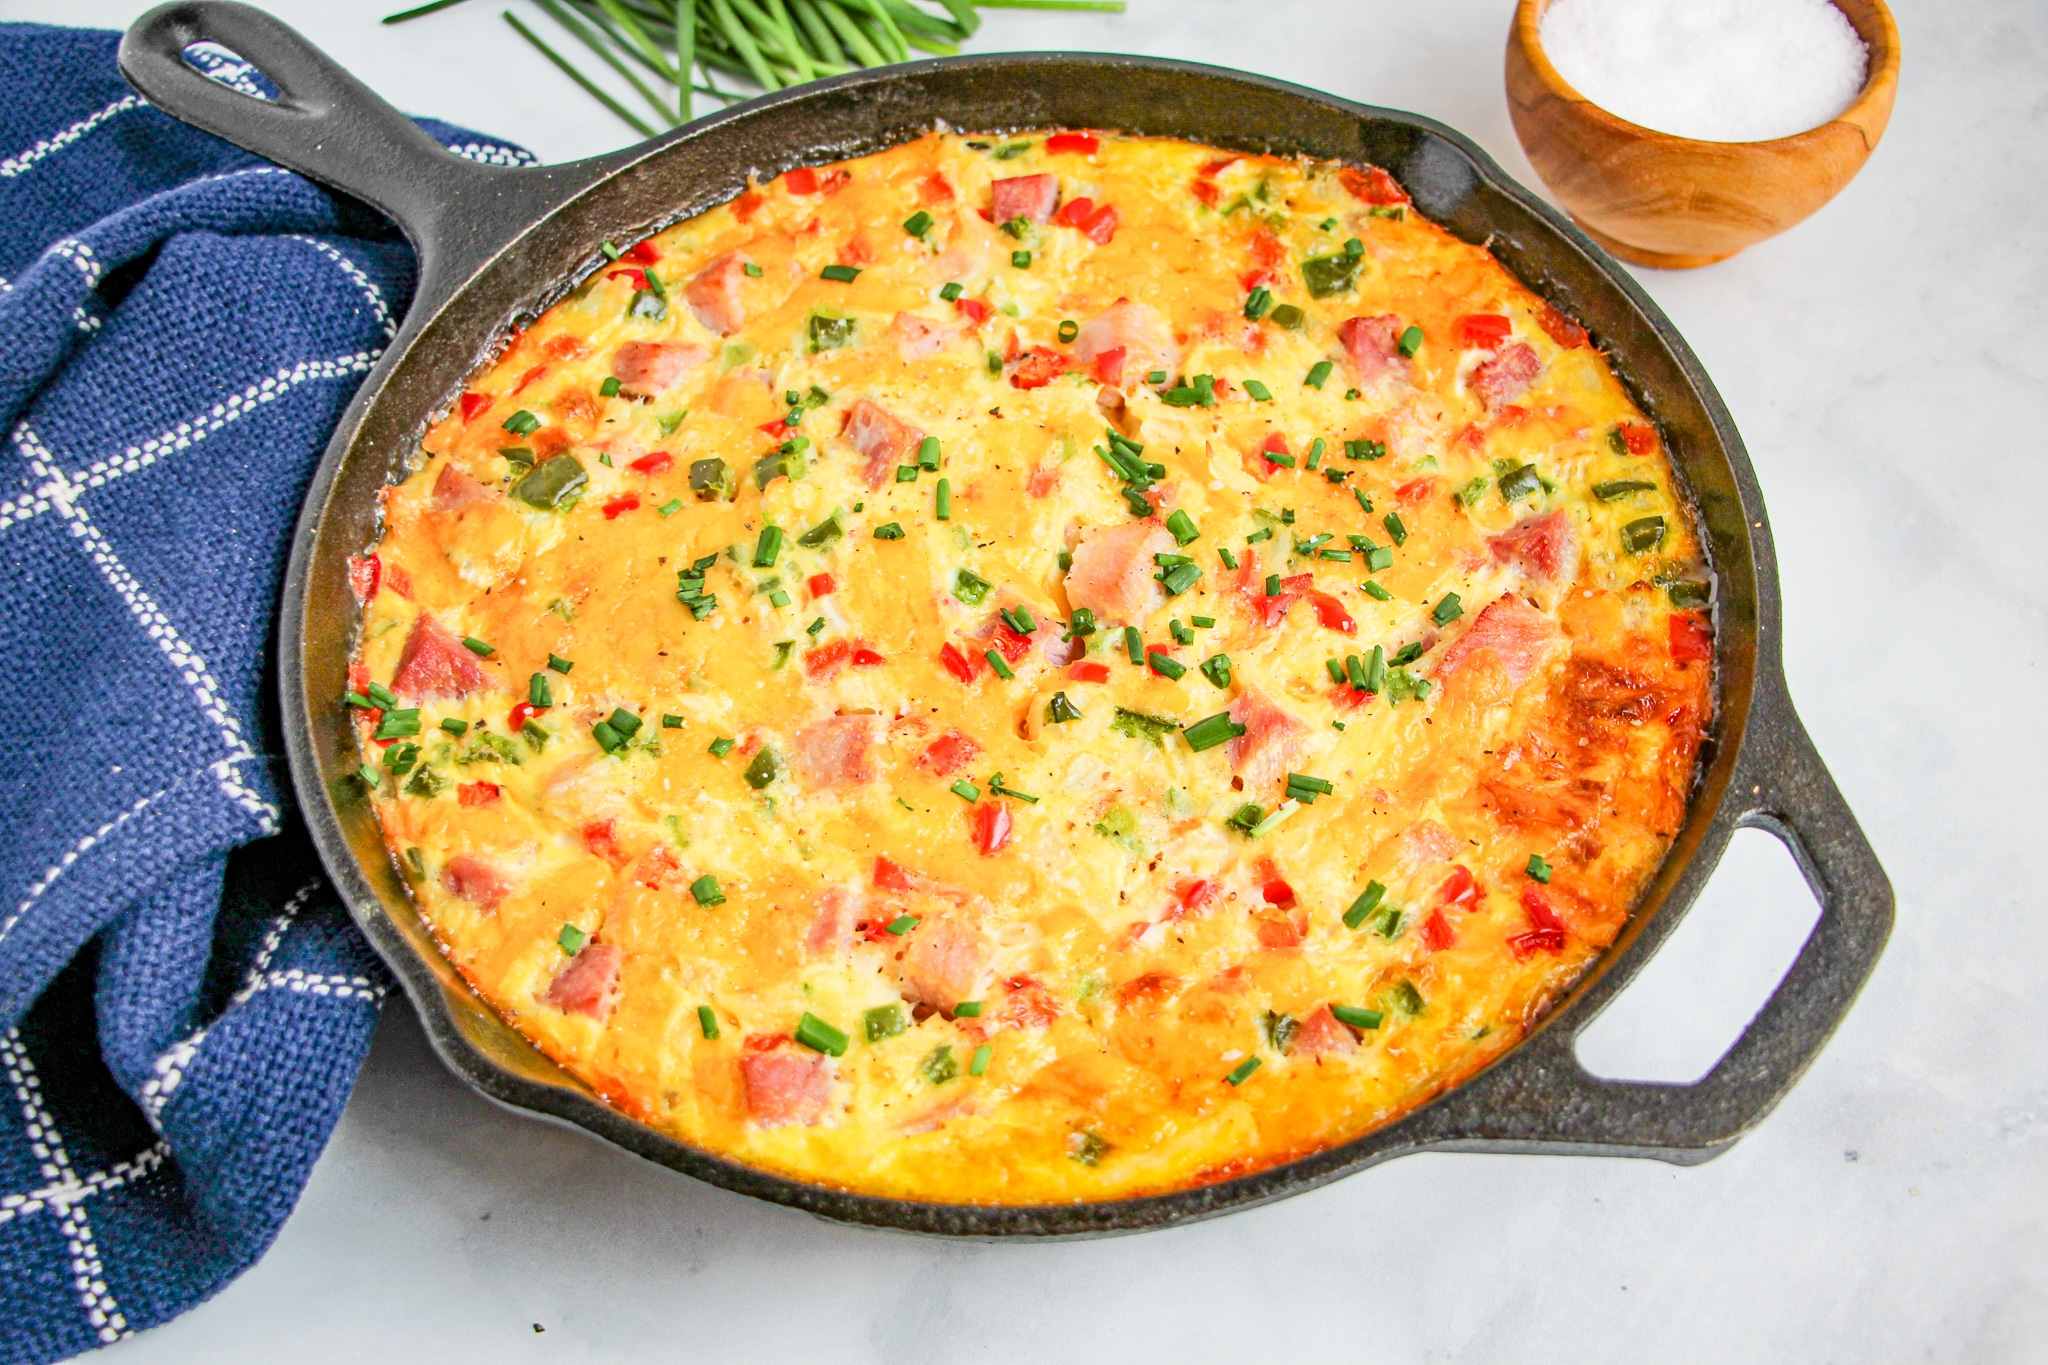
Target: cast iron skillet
(498, 244)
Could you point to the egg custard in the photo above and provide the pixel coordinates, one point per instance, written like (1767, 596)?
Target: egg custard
(1039, 668)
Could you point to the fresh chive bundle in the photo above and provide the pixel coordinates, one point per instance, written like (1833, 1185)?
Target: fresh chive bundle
(667, 51)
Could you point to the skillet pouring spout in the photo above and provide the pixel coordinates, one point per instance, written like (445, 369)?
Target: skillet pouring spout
(498, 245)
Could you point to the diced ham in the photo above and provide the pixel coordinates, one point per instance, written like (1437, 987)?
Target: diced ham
(1507, 376)
(1426, 842)
(1561, 328)
(831, 928)
(714, 294)
(455, 492)
(1544, 546)
(482, 884)
(919, 338)
(1322, 1035)
(1044, 478)
(590, 983)
(1374, 344)
(882, 438)
(1025, 196)
(1113, 567)
(1135, 329)
(834, 753)
(435, 663)
(949, 753)
(944, 962)
(477, 794)
(647, 368)
(1517, 633)
(1270, 743)
(787, 1085)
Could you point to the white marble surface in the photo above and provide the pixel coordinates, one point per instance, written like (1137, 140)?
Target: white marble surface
(1889, 368)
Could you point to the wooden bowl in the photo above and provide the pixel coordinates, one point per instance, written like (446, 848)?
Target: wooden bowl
(1674, 202)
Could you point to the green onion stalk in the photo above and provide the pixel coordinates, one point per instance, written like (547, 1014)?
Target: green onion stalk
(667, 52)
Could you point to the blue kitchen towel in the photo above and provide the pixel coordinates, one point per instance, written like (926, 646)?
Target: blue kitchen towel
(183, 1002)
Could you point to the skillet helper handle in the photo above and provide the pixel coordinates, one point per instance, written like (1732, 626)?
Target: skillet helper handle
(1550, 1103)
(325, 124)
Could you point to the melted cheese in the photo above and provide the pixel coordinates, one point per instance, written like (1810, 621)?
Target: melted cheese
(1132, 947)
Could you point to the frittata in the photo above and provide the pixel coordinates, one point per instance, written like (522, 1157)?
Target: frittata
(1034, 668)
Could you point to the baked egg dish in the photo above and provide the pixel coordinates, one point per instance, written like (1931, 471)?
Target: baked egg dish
(1034, 668)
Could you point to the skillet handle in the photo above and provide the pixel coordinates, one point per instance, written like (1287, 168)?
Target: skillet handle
(1539, 1099)
(329, 126)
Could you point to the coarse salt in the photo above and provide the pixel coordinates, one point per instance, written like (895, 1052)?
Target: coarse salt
(1715, 70)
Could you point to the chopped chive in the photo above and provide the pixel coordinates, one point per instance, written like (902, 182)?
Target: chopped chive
(610, 387)
(967, 1009)
(1069, 330)
(819, 1036)
(1211, 731)
(538, 693)
(1181, 634)
(1411, 342)
(814, 627)
(971, 588)
(1317, 373)
(1363, 906)
(997, 662)
(928, 453)
(357, 699)
(752, 270)
(844, 274)
(721, 747)
(369, 777)
(706, 891)
(903, 924)
(1060, 710)
(1407, 654)
(1156, 377)
(889, 530)
(1134, 644)
(455, 727)
(1448, 610)
(1335, 668)
(906, 473)
(1538, 869)
(1376, 670)
(966, 791)
(559, 664)
(1358, 1018)
(950, 291)
(982, 1055)
(1621, 488)
(671, 721)
(1244, 1071)
(1258, 391)
(1162, 663)
(671, 507)
(1395, 527)
(1183, 527)
(478, 647)
(1315, 452)
(1229, 559)
(1021, 259)
(1374, 590)
(381, 695)
(1203, 622)
(571, 939)
(918, 224)
(883, 1021)
(707, 1021)
(1257, 302)
(1644, 533)
(1263, 533)
(942, 502)
(995, 784)
(1354, 669)
(522, 423)
(1320, 786)
(768, 547)
(1216, 668)
(1275, 457)
(1272, 585)
(1379, 559)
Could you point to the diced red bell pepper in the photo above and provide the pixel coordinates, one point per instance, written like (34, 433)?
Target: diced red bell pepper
(864, 657)
(802, 180)
(633, 274)
(1037, 367)
(1274, 608)
(521, 714)
(618, 507)
(827, 657)
(474, 794)
(1109, 365)
(821, 585)
(1194, 893)
(961, 666)
(1081, 144)
(363, 576)
(642, 253)
(1414, 490)
(891, 876)
(601, 838)
(474, 403)
(1562, 329)
(935, 189)
(1436, 932)
(1482, 330)
(1459, 888)
(398, 580)
(1331, 612)
(1639, 439)
(1150, 650)
(975, 309)
(1088, 671)
(529, 377)
(1691, 641)
(1274, 444)
(1277, 892)
(660, 462)
(1074, 213)
(1013, 645)
(991, 826)
(1525, 946)
(1206, 190)
(777, 430)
